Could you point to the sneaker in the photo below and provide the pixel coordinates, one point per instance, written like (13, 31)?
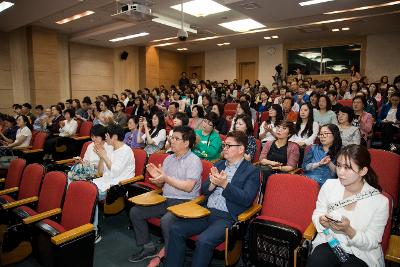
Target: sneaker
(143, 254)
(98, 238)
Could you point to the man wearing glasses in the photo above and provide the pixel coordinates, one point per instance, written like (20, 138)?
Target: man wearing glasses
(180, 180)
(208, 142)
(231, 189)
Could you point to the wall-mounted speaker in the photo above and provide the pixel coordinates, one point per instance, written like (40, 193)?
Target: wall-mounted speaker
(124, 55)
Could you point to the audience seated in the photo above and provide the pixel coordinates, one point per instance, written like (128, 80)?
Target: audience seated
(208, 141)
(306, 128)
(357, 223)
(242, 123)
(22, 138)
(154, 135)
(120, 117)
(268, 127)
(319, 162)
(349, 133)
(221, 127)
(389, 119)
(131, 136)
(197, 117)
(323, 114)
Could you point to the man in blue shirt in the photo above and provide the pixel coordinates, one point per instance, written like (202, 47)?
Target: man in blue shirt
(231, 189)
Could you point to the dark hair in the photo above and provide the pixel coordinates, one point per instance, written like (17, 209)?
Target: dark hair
(70, 111)
(10, 119)
(78, 103)
(337, 140)
(208, 97)
(98, 130)
(220, 107)
(27, 105)
(361, 156)
(349, 111)
(387, 78)
(358, 86)
(240, 137)
(332, 92)
(26, 120)
(115, 129)
(308, 130)
(58, 108)
(188, 134)
(289, 98)
(200, 110)
(213, 117)
(279, 113)
(87, 100)
(182, 117)
(176, 104)
(135, 119)
(363, 99)
(161, 124)
(39, 107)
(247, 120)
(122, 105)
(16, 106)
(328, 102)
(246, 107)
(289, 125)
(61, 105)
(69, 101)
(152, 97)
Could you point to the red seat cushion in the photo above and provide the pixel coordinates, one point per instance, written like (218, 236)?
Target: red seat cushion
(55, 225)
(28, 210)
(220, 247)
(7, 198)
(281, 221)
(154, 221)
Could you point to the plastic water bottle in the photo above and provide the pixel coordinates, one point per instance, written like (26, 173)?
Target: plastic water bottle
(335, 246)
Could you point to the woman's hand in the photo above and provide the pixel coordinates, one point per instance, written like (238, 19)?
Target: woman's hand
(325, 160)
(100, 151)
(343, 226)
(324, 221)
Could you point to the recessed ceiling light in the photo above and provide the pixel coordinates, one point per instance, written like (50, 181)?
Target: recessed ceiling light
(165, 39)
(363, 8)
(75, 17)
(182, 49)
(267, 37)
(172, 23)
(242, 25)
(313, 2)
(345, 29)
(4, 5)
(222, 44)
(206, 38)
(129, 37)
(335, 30)
(164, 44)
(201, 8)
(275, 37)
(227, 43)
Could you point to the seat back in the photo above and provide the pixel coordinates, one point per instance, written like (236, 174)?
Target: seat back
(156, 159)
(388, 227)
(128, 110)
(84, 148)
(207, 165)
(387, 166)
(231, 106)
(38, 141)
(290, 199)
(229, 112)
(223, 137)
(85, 128)
(14, 173)
(264, 116)
(52, 191)
(140, 160)
(258, 150)
(31, 181)
(79, 204)
(256, 128)
(346, 102)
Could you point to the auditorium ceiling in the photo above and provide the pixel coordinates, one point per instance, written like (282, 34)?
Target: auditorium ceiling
(285, 19)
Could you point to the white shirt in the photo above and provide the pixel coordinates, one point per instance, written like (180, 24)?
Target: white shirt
(308, 140)
(91, 156)
(69, 129)
(122, 167)
(160, 137)
(391, 116)
(368, 218)
(126, 100)
(269, 136)
(24, 132)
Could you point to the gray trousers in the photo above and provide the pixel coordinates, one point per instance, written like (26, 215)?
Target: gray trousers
(139, 215)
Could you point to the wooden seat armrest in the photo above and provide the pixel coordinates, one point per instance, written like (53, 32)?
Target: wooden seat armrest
(22, 148)
(2, 180)
(131, 180)
(64, 161)
(41, 216)
(20, 202)
(8, 191)
(148, 199)
(296, 171)
(72, 234)
(189, 210)
(77, 138)
(32, 151)
(250, 212)
(393, 250)
(310, 232)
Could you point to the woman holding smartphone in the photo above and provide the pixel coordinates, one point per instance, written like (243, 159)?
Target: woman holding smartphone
(358, 222)
(154, 136)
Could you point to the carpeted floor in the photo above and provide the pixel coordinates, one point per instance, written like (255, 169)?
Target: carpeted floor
(116, 246)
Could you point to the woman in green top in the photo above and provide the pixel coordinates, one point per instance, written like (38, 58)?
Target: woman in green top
(208, 142)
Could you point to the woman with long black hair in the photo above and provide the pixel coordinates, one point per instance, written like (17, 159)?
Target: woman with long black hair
(155, 135)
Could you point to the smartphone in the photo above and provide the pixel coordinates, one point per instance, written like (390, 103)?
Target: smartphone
(332, 219)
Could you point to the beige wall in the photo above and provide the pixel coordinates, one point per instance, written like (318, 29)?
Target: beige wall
(383, 56)
(269, 57)
(92, 70)
(6, 91)
(126, 72)
(220, 65)
(171, 66)
(194, 63)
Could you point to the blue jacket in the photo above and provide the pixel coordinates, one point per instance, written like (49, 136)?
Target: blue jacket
(322, 173)
(385, 110)
(240, 193)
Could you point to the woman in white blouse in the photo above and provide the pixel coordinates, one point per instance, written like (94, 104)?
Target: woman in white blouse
(69, 126)
(268, 127)
(357, 223)
(155, 135)
(23, 137)
(105, 116)
(306, 128)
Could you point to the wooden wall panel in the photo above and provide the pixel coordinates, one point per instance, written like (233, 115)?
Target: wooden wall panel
(152, 67)
(6, 94)
(196, 61)
(126, 72)
(247, 55)
(92, 70)
(171, 66)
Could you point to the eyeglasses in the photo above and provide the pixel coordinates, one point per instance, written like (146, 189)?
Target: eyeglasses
(227, 146)
(324, 134)
(173, 138)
